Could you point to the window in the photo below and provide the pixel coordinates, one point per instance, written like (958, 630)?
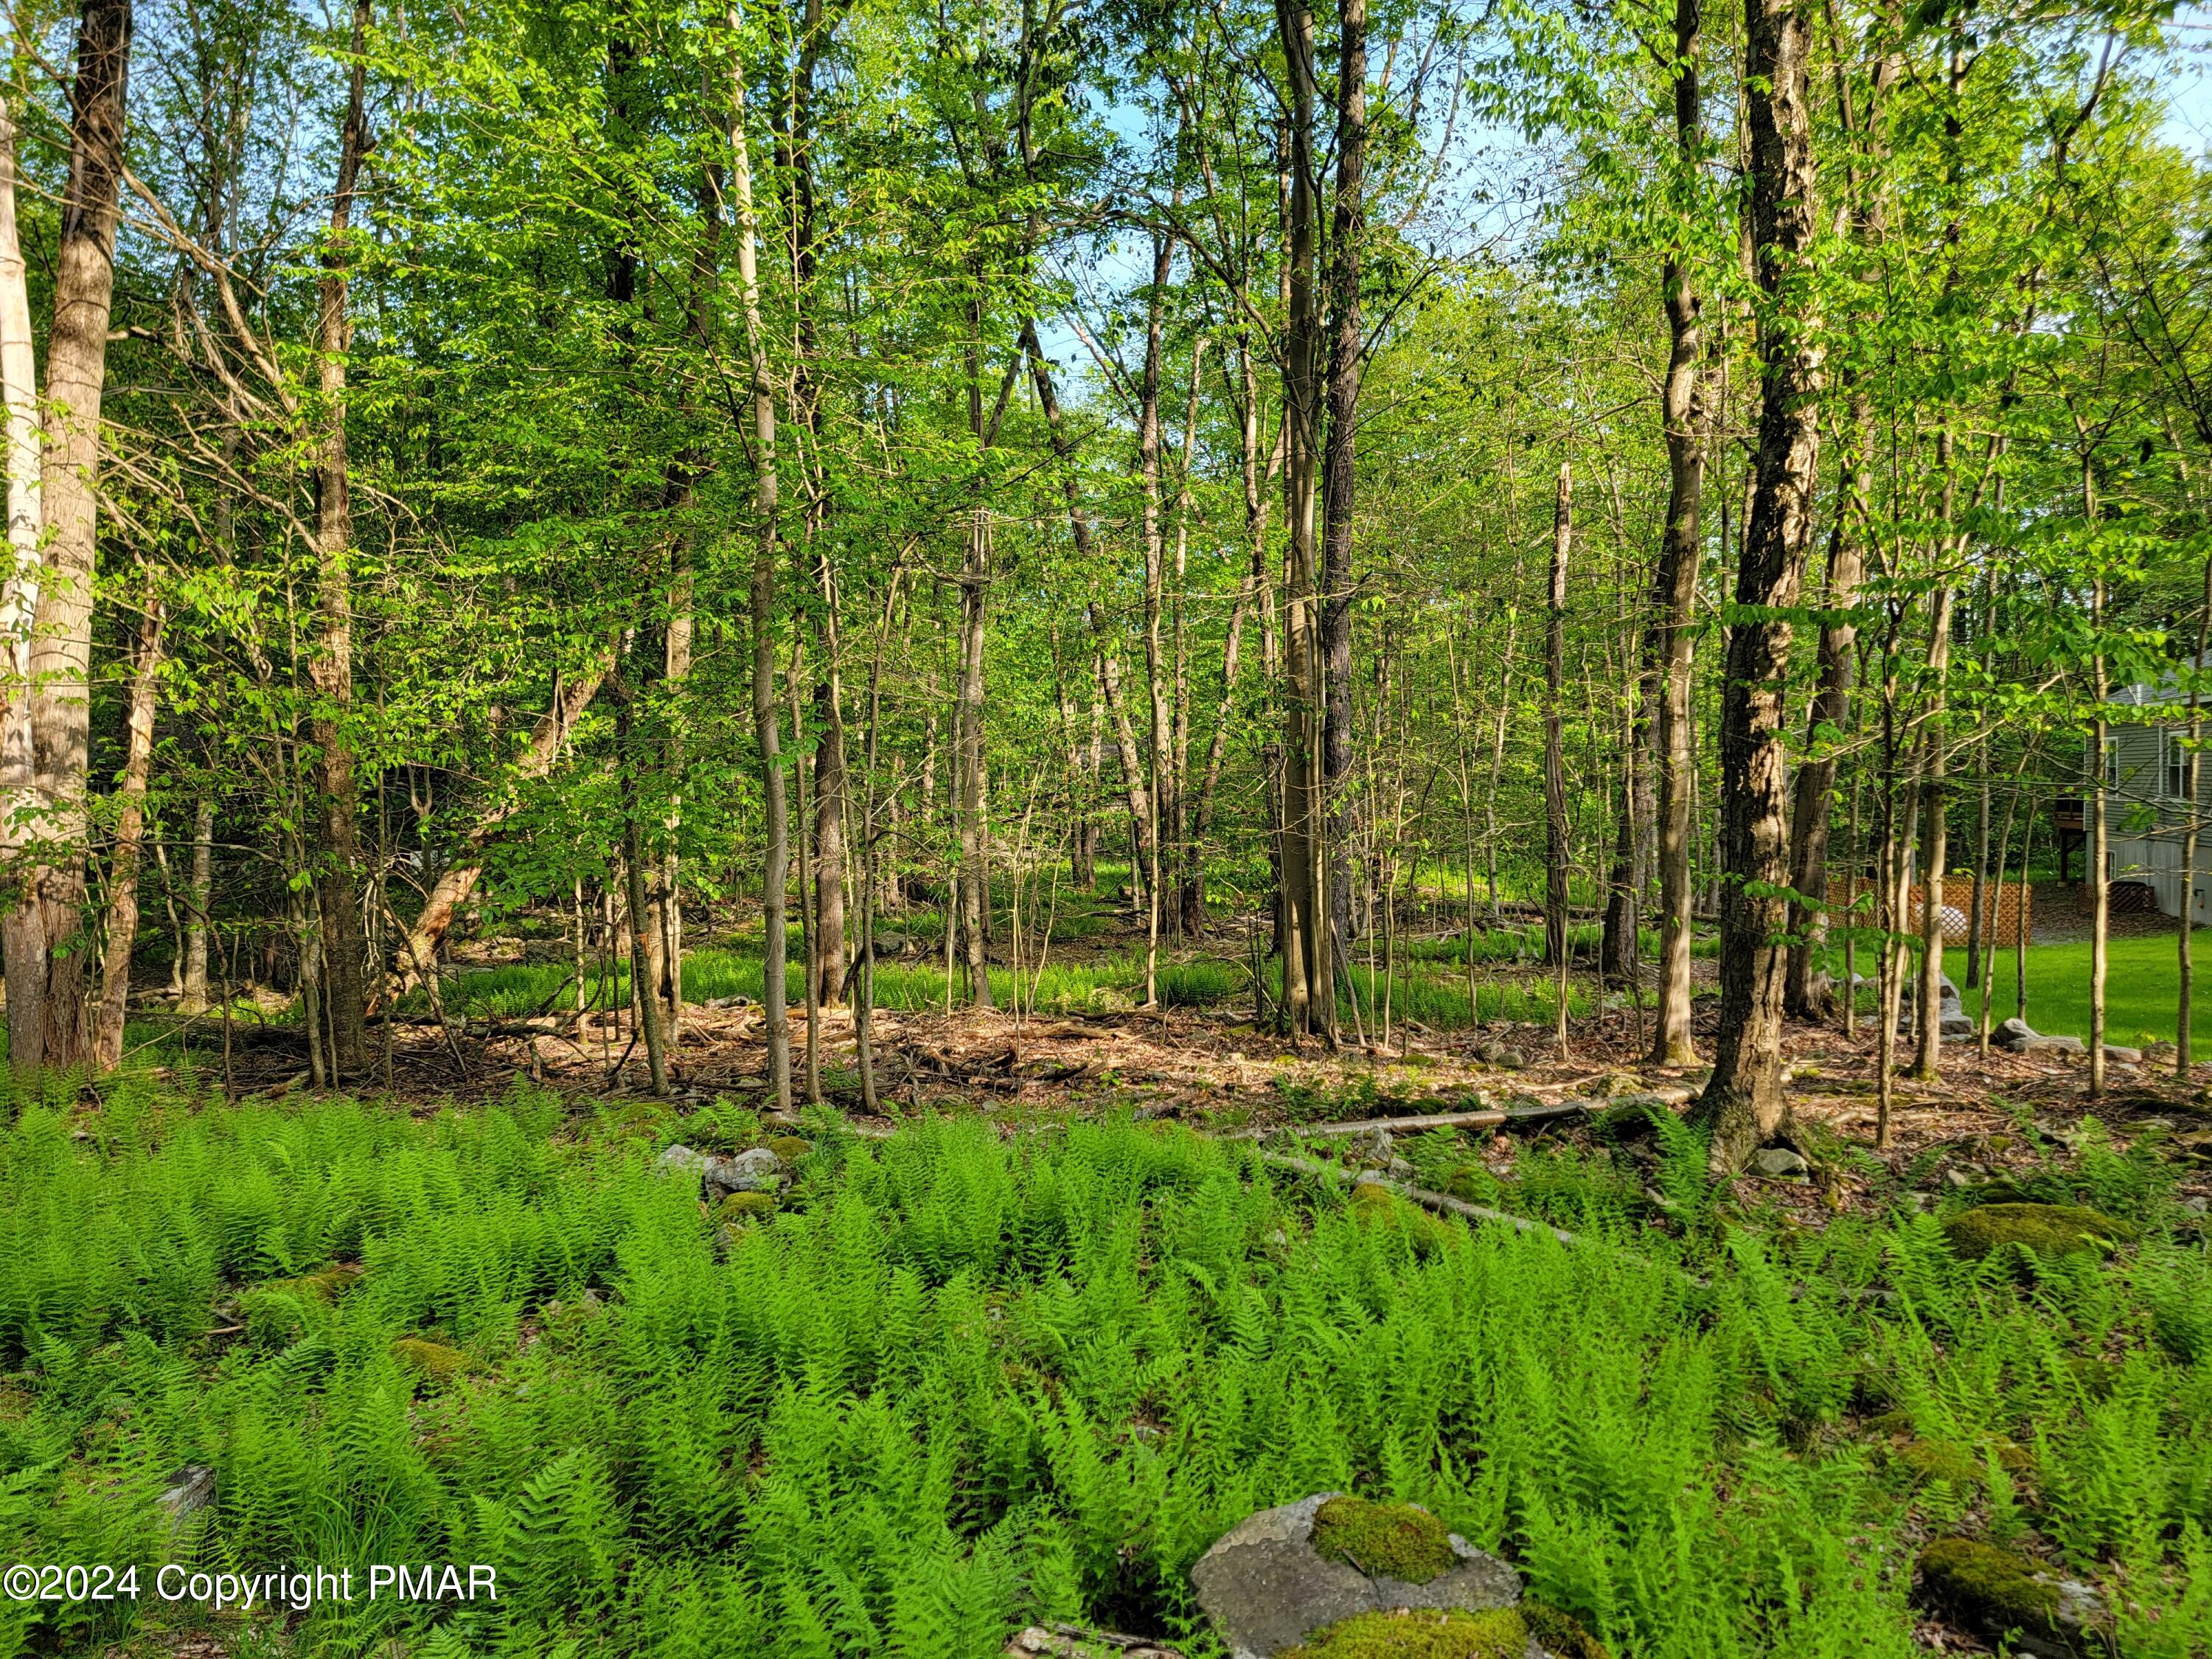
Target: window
(2111, 763)
(2176, 779)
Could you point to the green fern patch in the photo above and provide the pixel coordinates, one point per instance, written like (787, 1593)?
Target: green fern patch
(958, 1382)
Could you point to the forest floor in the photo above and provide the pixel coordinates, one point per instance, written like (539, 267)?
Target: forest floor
(1217, 1071)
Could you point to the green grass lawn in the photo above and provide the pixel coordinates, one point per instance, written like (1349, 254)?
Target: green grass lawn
(2141, 989)
(959, 1382)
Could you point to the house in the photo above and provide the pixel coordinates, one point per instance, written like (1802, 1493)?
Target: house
(2146, 807)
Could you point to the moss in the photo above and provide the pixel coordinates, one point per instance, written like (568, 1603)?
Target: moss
(1940, 1460)
(1988, 1589)
(791, 1148)
(434, 1362)
(328, 1284)
(1395, 1540)
(743, 1206)
(1561, 1634)
(2046, 1229)
(1421, 1633)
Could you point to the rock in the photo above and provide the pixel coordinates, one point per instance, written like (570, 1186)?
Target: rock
(889, 944)
(1779, 1163)
(1425, 1633)
(187, 1490)
(789, 1149)
(1067, 1642)
(2047, 1228)
(2113, 1051)
(1993, 1591)
(2051, 1045)
(1947, 1002)
(2012, 1033)
(1491, 1052)
(1268, 1587)
(1373, 1148)
(680, 1157)
(757, 1169)
(434, 1362)
(1957, 1028)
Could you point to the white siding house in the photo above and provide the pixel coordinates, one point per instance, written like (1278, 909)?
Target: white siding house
(2145, 781)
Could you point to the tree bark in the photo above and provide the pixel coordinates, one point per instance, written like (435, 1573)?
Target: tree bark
(44, 948)
(1672, 644)
(192, 997)
(338, 853)
(19, 597)
(1303, 931)
(1743, 1103)
(1347, 235)
(1556, 944)
(129, 841)
(776, 856)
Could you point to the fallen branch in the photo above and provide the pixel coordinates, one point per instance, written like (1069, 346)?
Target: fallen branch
(1441, 1203)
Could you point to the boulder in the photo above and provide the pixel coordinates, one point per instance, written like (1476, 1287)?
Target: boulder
(1281, 1576)
(2047, 1228)
(1779, 1163)
(2051, 1045)
(1957, 1028)
(757, 1169)
(189, 1489)
(2013, 1034)
(2123, 1056)
(1993, 1592)
(1948, 1002)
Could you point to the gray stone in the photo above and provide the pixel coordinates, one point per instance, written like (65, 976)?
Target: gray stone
(189, 1489)
(2051, 1045)
(1067, 1642)
(1957, 1028)
(680, 1157)
(1779, 1164)
(2113, 1051)
(757, 1169)
(1948, 1002)
(2012, 1033)
(1266, 1589)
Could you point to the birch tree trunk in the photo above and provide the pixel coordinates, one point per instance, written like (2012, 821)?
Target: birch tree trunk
(1743, 1103)
(130, 842)
(1555, 762)
(193, 998)
(44, 944)
(19, 596)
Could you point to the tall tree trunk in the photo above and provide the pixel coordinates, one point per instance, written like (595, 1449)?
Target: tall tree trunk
(644, 1001)
(19, 596)
(776, 856)
(338, 853)
(1303, 931)
(44, 963)
(129, 841)
(1165, 805)
(1743, 1103)
(1674, 580)
(2184, 945)
(192, 998)
(1555, 761)
(1347, 235)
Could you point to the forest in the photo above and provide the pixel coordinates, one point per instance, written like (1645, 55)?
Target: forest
(1096, 831)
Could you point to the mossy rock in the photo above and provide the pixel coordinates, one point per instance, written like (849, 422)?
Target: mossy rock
(1940, 1460)
(744, 1207)
(2052, 1230)
(1472, 1183)
(434, 1362)
(1421, 1633)
(1994, 1592)
(791, 1148)
(1372, 1197)
(328, 1284)
(1391, 1540)
(1561, 1634)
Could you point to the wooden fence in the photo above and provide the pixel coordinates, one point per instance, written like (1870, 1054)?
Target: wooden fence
(2007, 908)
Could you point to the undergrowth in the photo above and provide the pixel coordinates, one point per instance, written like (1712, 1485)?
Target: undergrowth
(959, 1382)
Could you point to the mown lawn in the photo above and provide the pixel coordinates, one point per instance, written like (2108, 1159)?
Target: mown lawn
(959, 1381)
(2142, 989)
